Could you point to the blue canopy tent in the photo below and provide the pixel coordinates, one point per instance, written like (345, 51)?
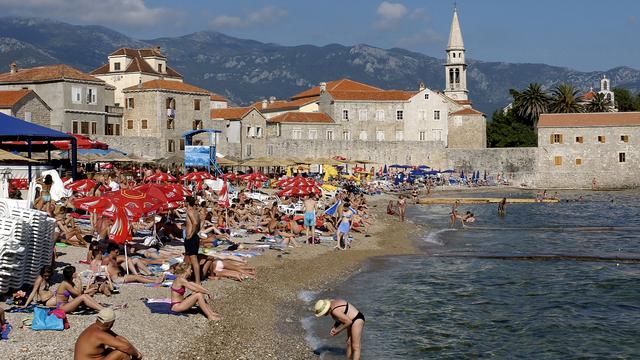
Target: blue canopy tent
(13, 129)
(424, 167)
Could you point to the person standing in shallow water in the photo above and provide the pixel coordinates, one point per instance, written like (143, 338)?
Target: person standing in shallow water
(502, 207)
(401, 207)
(347, 317)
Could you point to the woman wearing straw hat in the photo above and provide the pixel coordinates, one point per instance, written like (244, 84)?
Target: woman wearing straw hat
(346, 316)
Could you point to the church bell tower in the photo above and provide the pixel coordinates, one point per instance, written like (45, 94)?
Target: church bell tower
(455, 67)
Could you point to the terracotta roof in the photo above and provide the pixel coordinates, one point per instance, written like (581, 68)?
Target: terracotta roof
(281, 105)
(236, 113)
(47, 73)
(463, 102)
(138, 63)
(216, 97)
(337, 85)
(302, 117)
(11, 97)
(167, 85)
(466, 111)
(590, 119)
(588, 96)
(135, 52)
(383, 95)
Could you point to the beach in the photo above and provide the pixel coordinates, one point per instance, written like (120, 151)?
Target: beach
(260, 316)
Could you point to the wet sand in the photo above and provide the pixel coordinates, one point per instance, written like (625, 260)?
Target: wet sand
(261, 317)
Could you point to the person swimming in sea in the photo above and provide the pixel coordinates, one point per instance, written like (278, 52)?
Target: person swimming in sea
(467, 218)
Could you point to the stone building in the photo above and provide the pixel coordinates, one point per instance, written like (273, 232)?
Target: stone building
(300, 126)
(128, 67)
(218, 102)
(25, 105)
(244, 131)
(272, 107)
(80, 103)
(164, 110)
(574, 149)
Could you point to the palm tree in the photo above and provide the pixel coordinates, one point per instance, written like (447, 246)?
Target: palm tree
(599, 103)
(564, 99)
(532, 102)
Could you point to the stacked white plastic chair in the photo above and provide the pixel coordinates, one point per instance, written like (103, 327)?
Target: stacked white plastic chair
(26, 244)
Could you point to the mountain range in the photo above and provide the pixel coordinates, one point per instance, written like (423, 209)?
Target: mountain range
(246, 70)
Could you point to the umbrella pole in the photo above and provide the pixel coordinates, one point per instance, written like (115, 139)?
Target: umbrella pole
(126, 258)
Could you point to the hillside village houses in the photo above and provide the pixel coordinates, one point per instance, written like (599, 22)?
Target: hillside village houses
(79, 103)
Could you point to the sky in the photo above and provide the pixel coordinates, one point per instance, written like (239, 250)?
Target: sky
(587, 35)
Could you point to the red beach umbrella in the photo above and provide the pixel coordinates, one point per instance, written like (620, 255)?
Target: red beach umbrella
(134, 201)
(161, 177)
(197, 176)
(82, 186)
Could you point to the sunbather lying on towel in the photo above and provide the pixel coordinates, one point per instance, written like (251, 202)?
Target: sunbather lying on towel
(118, 276)
(218, 267)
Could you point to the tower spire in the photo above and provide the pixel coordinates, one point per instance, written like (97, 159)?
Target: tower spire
(455, 34)
(456, 67)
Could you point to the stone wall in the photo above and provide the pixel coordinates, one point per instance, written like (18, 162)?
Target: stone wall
(40, 114)
(467, 132)
(518, 164)
(137, 145)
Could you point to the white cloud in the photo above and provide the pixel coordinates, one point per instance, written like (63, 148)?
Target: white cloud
(390, 14)
(128, 13)
(265, 16)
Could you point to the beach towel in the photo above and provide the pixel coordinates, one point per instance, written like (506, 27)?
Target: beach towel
(161, 306)
(331, 211)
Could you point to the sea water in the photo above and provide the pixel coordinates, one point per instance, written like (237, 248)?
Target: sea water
(493, 291)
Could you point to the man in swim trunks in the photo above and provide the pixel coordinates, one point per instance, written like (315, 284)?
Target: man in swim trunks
(99, 342)
(192, 239)
(310, 217)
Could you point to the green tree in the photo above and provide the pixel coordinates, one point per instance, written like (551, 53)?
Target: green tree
(564, 99)
(625, 101)
(507, 129)
(530, 103)
(599, 103)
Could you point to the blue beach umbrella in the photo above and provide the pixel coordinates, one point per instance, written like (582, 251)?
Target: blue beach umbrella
(485, 175)
(449, 171)
(385, 171)
(462, 174)
(423, 167)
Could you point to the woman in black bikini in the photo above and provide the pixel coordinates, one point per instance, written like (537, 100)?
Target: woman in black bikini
(347, 317)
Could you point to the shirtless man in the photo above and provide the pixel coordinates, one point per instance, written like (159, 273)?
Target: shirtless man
(310, 217)
(502, 207)
(401, 207)
(192, 240)
(99, 342)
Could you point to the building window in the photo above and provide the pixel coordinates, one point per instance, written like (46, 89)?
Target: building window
(170, 124)
(117, 129)
(579, 139)
(622, 157)
(624, 138)
(270, 150)
(171, 146)
(92, 96)
(296, 134)
(437, 134)
(76, 95)
(329, 134)
(84, 127)
(259, 132)
(362, 115)
(313, 134)
(130, 103)
(109, 129)
(556, 138)
(116, 66)
(144, 124)
(250, 131)
(436, 115)
(380, 115)
(197, 125)
(181, 144)
(160, 70)
(557, 160)
(248, 152)
(196, 104)
(399, 135)
(94, 128)
(380, 135)
(601, 139)
(426, 96)
(345, 115)
(27, 116)
(399, 115)
(129, 124)
(74, 125)
(422, 136)
(346, 135)
(278, 129)
(363, 136)
(578, 161)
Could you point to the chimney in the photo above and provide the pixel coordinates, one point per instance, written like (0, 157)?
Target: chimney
(422, 86)
(264, 103)
(14, 67)
(272, 99)
(323, 87)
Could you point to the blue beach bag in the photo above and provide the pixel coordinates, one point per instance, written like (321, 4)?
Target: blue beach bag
(42, 320)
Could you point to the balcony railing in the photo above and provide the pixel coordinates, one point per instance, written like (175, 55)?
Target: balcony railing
(115, 110)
